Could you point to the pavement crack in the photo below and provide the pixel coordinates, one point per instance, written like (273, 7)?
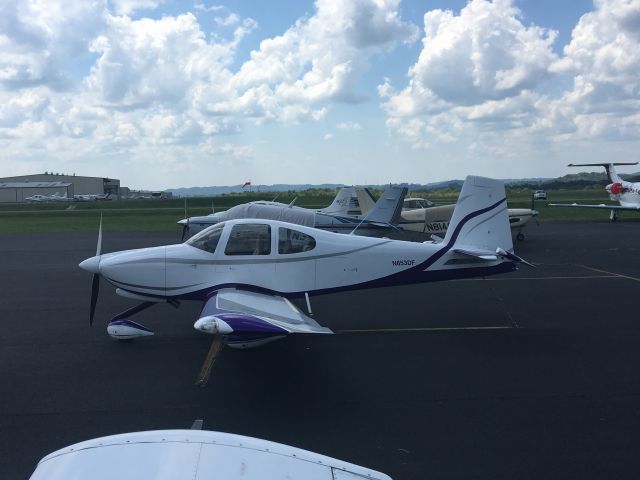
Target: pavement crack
(503, 304)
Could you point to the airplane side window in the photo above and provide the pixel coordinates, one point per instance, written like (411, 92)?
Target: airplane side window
(207, 239)
(292, 241)
(249, 239)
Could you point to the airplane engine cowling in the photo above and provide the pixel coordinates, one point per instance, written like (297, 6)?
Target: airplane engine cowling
(615, 188)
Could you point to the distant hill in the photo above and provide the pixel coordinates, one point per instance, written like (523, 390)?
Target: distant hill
(571, 181)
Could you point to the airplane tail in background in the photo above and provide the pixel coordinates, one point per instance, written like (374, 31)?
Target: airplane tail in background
(609, 167)
(480, 221)
(365, 199)
(388, 208)
(342, 204)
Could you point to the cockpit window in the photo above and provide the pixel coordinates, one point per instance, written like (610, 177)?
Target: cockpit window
(249, 239)
(292, 241)
(207, 239)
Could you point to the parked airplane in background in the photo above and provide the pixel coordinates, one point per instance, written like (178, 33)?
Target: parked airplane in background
(37, 198)
(56, 197)
(195, 453)
(244, 271)
(626, 193)
(424, 216)
(384, 214)
(92, 197)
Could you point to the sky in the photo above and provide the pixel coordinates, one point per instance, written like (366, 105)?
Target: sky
(166, 94)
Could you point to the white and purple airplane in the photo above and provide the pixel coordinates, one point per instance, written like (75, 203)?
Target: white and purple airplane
(627, 194)
(245, 271)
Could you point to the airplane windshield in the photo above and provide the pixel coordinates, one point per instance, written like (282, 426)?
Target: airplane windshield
(207, 239)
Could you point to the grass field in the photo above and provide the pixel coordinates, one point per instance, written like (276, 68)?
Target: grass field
(157, 215)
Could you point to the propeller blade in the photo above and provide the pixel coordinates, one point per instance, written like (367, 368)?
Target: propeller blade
(99, 247)
(95, 284)
(95, 289)
(185, 229)
(205, 370)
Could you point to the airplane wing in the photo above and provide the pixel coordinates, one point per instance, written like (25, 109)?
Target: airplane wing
(602, 205)
(245, 317)
(202, 454)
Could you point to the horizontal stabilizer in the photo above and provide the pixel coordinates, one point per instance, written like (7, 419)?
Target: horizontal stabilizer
(476, 253)
(599, 164)
(490, 256)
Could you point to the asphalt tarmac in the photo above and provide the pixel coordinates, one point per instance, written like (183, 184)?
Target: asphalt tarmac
(529, 375)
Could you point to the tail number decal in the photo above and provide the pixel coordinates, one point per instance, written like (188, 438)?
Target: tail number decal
(400, 263)
(436, 226)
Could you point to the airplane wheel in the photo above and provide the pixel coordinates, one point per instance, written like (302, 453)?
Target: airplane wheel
(520, 237)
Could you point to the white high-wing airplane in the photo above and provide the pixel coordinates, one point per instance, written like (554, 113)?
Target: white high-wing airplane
(181, 454)
(245, 270)
(423, 216)
(626, 193)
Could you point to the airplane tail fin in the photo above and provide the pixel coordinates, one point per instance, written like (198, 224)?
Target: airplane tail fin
(480, 220)
(609, 167)
(365, 199)
(388, 208)
(342, 204)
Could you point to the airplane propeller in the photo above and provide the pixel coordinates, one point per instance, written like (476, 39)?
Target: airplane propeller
(185, 225)
(95, 285)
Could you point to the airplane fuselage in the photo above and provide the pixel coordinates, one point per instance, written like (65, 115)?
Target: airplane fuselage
(336, 262)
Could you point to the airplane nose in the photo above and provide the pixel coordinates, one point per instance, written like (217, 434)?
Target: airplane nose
(91, 265)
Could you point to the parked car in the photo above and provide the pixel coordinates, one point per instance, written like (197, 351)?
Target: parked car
(540, 195)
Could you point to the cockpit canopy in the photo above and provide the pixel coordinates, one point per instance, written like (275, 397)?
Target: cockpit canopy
(415, 203)
(252, 239)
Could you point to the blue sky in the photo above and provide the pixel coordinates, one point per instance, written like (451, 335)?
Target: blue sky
(167, 93)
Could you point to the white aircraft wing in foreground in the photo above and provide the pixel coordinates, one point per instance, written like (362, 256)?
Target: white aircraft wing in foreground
(193, 454)
(244, 271)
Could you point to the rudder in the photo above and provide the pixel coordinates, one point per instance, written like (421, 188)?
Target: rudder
(480, 218)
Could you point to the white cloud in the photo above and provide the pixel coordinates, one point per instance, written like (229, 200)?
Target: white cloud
(316, 61)
(478, 66)
(204, 8)
(328, 136)
(127, 7)
(228, 21)
(349, 126)
(39, 40)
(604, 59)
